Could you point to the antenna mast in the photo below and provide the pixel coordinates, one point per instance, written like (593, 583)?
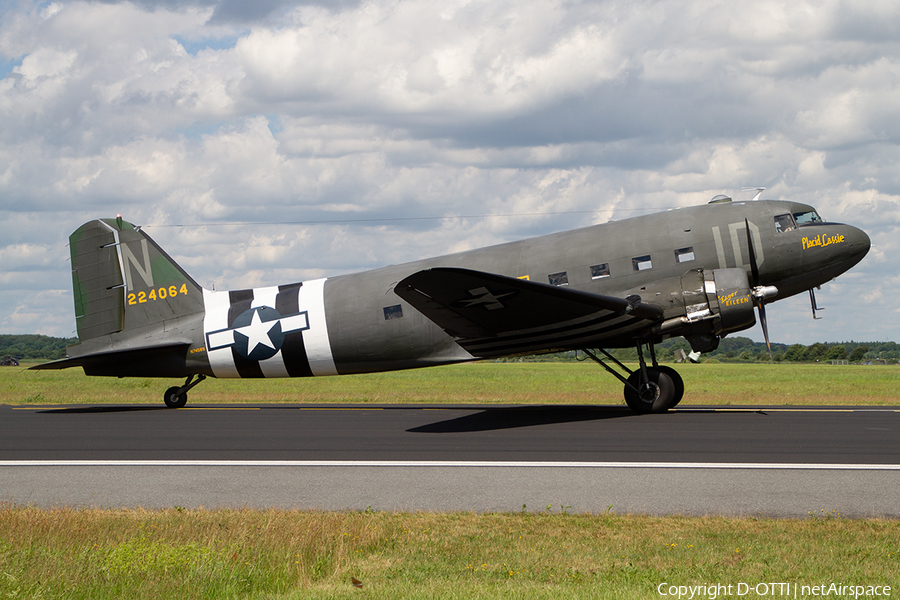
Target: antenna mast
(759, 191)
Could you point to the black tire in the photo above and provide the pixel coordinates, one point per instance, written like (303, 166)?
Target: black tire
(173, 400)
(654, 397)
(677, 380)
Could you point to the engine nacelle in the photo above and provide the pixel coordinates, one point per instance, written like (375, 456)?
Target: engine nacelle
(724, 305)
(728, 292)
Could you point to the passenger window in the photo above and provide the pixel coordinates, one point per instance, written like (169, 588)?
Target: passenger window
(393, 312)
(641, 263)
(600, 271)
(684, 254)
(784, 223)
(560, 278)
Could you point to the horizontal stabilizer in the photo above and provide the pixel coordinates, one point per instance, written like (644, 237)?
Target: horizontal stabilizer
(495, 315)
(163, 360)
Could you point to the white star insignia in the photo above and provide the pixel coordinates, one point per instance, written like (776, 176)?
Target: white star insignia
(486, 299)
(257, 332)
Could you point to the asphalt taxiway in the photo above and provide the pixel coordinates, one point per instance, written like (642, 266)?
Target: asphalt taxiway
(771, 461)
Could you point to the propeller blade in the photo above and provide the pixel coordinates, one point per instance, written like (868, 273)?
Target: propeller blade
(762, 321)
(754, 268)
(759, 293)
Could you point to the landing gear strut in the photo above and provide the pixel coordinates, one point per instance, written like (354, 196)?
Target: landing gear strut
(176, 397)
(649, 389)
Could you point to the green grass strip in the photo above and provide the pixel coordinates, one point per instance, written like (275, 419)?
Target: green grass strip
(480, 383)
(179, 553)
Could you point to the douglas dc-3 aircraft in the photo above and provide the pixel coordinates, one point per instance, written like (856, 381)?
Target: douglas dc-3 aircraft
(695, 272)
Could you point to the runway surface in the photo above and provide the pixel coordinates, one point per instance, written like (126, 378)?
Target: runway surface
(752, 460)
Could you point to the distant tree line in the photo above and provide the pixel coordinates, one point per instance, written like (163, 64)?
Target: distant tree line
(741, 349)
(34, 346)
(731, 349)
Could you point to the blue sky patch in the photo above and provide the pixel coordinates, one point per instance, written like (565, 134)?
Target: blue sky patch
(193, 46)
(275, 125)
(198, 129)
(6, 66)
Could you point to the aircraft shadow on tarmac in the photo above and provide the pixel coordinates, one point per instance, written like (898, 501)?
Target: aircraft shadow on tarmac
(509, 417)
(486, 419)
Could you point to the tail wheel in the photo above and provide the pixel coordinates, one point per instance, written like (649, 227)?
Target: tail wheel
(176, 397)
(657, 395)
(173, 399)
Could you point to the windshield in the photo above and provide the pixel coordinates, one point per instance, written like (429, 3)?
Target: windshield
(805, 218)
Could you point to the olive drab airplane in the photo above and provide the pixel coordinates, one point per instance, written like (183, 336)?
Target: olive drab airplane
(698, 272)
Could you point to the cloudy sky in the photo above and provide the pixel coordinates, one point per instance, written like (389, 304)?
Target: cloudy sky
(274, 141)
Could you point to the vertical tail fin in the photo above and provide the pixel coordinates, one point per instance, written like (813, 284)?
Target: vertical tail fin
(138, 313)
(123, 281)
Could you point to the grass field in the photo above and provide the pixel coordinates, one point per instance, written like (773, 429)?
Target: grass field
(480, 383)
(285, 555)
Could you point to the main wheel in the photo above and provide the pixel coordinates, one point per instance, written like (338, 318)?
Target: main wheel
(173, 399)
(655, 396)
(677, 380)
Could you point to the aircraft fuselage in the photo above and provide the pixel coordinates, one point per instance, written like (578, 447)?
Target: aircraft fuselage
(363, 326)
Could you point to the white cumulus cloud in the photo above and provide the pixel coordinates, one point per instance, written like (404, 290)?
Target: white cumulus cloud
(380, 131)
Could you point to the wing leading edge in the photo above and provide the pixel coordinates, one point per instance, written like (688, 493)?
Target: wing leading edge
(493, 315)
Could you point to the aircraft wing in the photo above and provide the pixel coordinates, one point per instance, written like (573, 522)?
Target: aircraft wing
(494, 315)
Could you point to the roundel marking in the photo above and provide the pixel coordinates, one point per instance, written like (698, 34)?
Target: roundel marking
(257, 333)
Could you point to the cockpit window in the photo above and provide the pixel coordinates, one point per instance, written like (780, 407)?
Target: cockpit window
(805, 218)
(784, 223)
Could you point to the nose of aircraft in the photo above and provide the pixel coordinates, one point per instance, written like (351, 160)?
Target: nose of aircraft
(858, 244)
